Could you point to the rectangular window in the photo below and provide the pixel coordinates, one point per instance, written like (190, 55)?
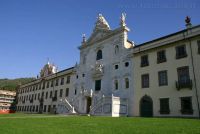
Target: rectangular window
(61, 92)
(46, 95)
(145, 81)
(116, 85)
(181, 52)
(68, 79)
(164, 106)
(45, 107)
(38, 96)
(144, 61)
(37, 108)
(55, 95)
(161, 57)
(42, 94)
(54, 106)
(43, 85)
(57, 80)
(198, 44)
(184, 80)
(49, 108)
(162, 78)
(116, 67)
(97, 85)
(126, 83)
(62, 81)
(48, 84)
(33, 108)
(50, 94)
(52, 83)
(183, 74)
(67, 92)
(186, 105)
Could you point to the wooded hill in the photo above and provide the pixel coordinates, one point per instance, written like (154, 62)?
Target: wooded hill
(11, 84)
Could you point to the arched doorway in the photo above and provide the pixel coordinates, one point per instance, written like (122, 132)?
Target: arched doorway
(146, 106)
(89, 103)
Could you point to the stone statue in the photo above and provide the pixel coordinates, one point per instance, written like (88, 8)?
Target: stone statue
(187, 20)
(84, 38)
(123, 19)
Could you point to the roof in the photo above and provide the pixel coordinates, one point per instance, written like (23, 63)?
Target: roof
(164, 37)
(49, 75)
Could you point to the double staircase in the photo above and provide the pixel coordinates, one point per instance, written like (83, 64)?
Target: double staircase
(64, 107)
(101, 106)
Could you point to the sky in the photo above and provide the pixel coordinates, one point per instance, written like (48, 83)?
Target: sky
(31, 31)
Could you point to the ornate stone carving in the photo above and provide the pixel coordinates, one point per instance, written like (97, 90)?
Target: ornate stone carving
(48, 69)
(101, 23)
(97, 70)
(99, 67)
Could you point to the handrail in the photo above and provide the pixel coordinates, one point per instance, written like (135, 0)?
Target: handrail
(99, 101)
(68, 103)
(97, 104)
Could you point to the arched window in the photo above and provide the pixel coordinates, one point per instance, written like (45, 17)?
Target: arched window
(99, 55)
(116, 49)
(116, 85)
(126, 83)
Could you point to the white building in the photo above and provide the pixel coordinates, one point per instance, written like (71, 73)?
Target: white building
(107, 81)
(167, 75)
(101, 83)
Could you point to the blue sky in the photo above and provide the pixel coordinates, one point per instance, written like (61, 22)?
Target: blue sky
(33, 30)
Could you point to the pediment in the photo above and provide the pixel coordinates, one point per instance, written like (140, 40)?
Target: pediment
(97, 35)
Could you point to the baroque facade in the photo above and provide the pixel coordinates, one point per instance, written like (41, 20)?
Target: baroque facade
(117, 78)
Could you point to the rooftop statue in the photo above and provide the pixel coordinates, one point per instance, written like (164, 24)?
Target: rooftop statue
(123, 19)
(101, 23)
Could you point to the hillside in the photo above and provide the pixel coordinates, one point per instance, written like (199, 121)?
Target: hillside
(11, 84)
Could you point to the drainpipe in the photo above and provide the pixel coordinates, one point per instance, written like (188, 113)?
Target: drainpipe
(189, 29)
(195, 83)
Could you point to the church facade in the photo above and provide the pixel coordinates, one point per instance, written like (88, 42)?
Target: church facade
(117, 78)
